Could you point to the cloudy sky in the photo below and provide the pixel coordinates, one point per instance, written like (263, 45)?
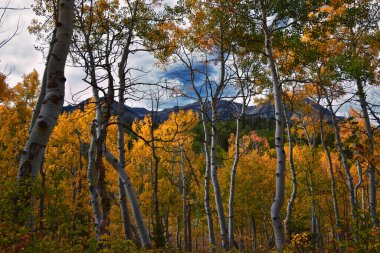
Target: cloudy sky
(20, 57)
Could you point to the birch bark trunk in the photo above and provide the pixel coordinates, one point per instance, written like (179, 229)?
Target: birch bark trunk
(289, 208)
(211, 236)
(92, 179)
(137, 215)
(278, 201)
(31, 156)
(232, 180)
(126, 219)
(371, 169)
(42, 94)
(214, 178)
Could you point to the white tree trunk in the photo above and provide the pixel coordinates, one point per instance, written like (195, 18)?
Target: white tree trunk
(95, 133)
(214, 178)
(91, 177)
(32, 153)
(143, 232)
(278, 201)
(289, 208)
(42, 94)
(211, 236)
(231, 240)
(371, 170)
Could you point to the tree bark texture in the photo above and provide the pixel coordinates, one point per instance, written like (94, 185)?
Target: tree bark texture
(210, 225)
(279, 145)
(92, 182)
(232, 179)
(52, 104)
(371, 143)
(289, 208)
(214, 178)
(136, 211)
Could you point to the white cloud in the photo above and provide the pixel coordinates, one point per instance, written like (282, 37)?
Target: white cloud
(19, 56)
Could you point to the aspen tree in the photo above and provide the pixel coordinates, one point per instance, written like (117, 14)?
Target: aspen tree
(53, 102)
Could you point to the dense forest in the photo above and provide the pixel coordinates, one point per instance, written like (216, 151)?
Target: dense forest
(262, 135)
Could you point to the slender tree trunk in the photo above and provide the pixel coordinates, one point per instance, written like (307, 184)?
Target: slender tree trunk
(363, 206)
(92, 180)
(278, 201)
(332, 185)
(158, 236)
(92, 168)
(184, 202)
(122, 194)
(144, 236)
(343, 156)
(214, 178)
(121, 152)
(232, 180)
(359, 183)
(371, 169)
(294, 178)
(211, 236)
(102, 188)
(127, 225)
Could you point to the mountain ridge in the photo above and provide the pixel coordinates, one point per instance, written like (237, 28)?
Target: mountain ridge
(226, 110)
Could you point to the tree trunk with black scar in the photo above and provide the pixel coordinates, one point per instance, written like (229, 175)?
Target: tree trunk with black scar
(46, 117)
(53, 101)
(278, 201)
